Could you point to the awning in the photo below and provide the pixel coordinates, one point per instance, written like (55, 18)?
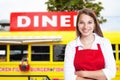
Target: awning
(5, 22)
(29, 39)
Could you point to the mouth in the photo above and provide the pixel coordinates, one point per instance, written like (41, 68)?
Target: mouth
(85, 31)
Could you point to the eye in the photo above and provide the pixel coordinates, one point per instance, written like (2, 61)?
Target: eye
(81, 22)
(90, 22)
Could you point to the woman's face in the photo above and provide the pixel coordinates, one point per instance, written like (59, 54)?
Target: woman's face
(86, 25)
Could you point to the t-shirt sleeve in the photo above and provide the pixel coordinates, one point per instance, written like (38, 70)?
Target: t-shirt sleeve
(68, 63)
(110, 64)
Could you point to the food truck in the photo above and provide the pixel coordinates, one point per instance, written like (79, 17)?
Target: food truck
(34, 46)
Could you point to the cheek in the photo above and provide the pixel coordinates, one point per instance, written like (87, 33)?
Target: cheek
(93, 27)
(79, 27)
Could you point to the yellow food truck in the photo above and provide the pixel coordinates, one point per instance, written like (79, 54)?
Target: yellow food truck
(34, 46)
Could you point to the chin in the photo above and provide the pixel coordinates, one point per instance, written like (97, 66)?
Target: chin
(86, 34)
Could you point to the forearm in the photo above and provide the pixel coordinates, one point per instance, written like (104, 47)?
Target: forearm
(98, 75)
(82, 78)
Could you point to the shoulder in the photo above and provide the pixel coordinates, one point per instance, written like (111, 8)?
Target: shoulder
(102, 40)
(72, 44)
(70, 48)
(105, 45)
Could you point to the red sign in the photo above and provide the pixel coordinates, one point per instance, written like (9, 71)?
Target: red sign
(43, 21)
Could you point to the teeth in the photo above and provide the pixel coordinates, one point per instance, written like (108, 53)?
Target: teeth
(85, 30)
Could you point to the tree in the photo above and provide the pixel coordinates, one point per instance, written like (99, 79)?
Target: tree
(75, 5)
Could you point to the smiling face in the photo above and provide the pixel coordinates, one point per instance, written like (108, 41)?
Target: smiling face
(86, 25)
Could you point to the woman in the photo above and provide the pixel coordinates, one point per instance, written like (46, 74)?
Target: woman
(90, 55)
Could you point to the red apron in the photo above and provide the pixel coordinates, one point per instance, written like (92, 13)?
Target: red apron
(89, 59)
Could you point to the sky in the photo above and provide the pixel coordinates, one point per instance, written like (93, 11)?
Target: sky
(111, 7)
(8, 6)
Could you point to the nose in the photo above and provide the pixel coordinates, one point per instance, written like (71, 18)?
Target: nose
(85, 25)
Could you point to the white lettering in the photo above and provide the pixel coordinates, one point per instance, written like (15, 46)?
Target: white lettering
(52, 22)
(36, 19)
(64, 20)
(75, 17)
(23, 21)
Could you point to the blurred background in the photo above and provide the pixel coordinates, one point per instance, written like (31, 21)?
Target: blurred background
(111, 10)
(48, 57)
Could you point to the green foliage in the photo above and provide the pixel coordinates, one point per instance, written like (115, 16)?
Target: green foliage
(76, 5)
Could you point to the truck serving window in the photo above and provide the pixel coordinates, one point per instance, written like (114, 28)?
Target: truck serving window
(58, 52)
(114, 50)
(119, 51)
(40, 53)
(17, 52)
(3, 50)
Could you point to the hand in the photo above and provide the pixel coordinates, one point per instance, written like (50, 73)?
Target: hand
(82, 75)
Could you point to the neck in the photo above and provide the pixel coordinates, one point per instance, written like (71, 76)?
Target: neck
(87, 40)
